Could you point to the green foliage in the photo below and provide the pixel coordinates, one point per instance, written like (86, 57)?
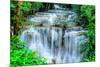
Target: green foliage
(76, 8)
(37, 5)
(16, 43)
(12, 6)
(21, 56)
(92, 59)
(89, 13)
(26, 6)
(20, 11)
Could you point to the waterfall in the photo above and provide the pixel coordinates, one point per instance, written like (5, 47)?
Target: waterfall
(48, 43)
(56, 6)
(56, 44)
(72, 42)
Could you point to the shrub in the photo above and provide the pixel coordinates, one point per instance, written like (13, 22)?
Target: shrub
(88, 12)
(21, 56)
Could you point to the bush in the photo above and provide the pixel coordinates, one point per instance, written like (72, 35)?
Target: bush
(21, 56)
(88, 12)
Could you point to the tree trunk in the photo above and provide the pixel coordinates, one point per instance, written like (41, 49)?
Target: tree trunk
(17, 17)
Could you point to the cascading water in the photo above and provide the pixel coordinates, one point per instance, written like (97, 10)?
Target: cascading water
(56, 44)
(72, 43)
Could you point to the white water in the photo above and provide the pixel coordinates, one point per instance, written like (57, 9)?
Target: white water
(55, 16)
(54, 43)
(48, 43)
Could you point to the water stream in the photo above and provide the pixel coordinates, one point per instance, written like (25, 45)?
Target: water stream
(56, 44)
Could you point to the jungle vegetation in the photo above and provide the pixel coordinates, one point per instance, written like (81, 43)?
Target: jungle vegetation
(21, 56)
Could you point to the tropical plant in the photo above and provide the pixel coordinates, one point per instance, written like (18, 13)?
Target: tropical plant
(21, 56)
(88, 12)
